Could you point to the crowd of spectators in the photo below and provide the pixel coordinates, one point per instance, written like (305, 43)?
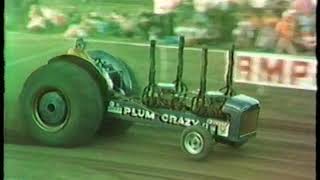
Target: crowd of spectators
(77, 24)
(291, 32)
(272, 27)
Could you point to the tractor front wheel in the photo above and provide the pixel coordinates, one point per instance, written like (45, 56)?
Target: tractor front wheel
(196, 142)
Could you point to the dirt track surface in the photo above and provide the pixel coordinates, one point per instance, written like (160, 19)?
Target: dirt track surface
(283, 149)
(154, 153)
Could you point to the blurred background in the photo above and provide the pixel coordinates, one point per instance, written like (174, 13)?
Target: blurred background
(281, 26)
(274, 62)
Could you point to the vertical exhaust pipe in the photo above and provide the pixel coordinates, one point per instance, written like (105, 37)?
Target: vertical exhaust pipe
(178, 82)
(150, 91)
(198, 101)
(152, 69)
(229, 75)
(181, 88)
(203, 78)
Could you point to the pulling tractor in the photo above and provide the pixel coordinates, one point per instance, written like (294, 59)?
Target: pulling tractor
(68, 100)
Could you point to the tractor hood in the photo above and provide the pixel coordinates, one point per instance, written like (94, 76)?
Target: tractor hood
(241, 103)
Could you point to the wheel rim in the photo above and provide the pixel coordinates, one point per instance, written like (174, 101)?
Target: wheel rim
(193, 143)
(51, 111)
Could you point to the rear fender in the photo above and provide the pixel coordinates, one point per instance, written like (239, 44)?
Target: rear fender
(89, 67)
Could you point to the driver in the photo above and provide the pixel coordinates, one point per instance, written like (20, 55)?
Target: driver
(79, 51)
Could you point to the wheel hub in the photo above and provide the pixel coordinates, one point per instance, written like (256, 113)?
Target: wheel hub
(193, 143)
(51, 110)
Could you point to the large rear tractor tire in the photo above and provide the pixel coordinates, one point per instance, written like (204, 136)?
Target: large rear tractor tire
(62, 104)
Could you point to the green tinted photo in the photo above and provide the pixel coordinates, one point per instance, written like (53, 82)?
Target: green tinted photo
(160, 89)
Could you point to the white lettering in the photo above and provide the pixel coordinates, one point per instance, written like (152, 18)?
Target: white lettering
(126, 110)
(164, 117)
(134, 113)
(195, 122)
(172, 119)
(181, 121)
(150, 115)
(187, 122)
(141, 113)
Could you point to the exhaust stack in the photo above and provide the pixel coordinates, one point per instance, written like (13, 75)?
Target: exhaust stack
(151, 91)
(152, 69)
(198, 101)
(203, 79)
(229, 75)
(180, 87)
